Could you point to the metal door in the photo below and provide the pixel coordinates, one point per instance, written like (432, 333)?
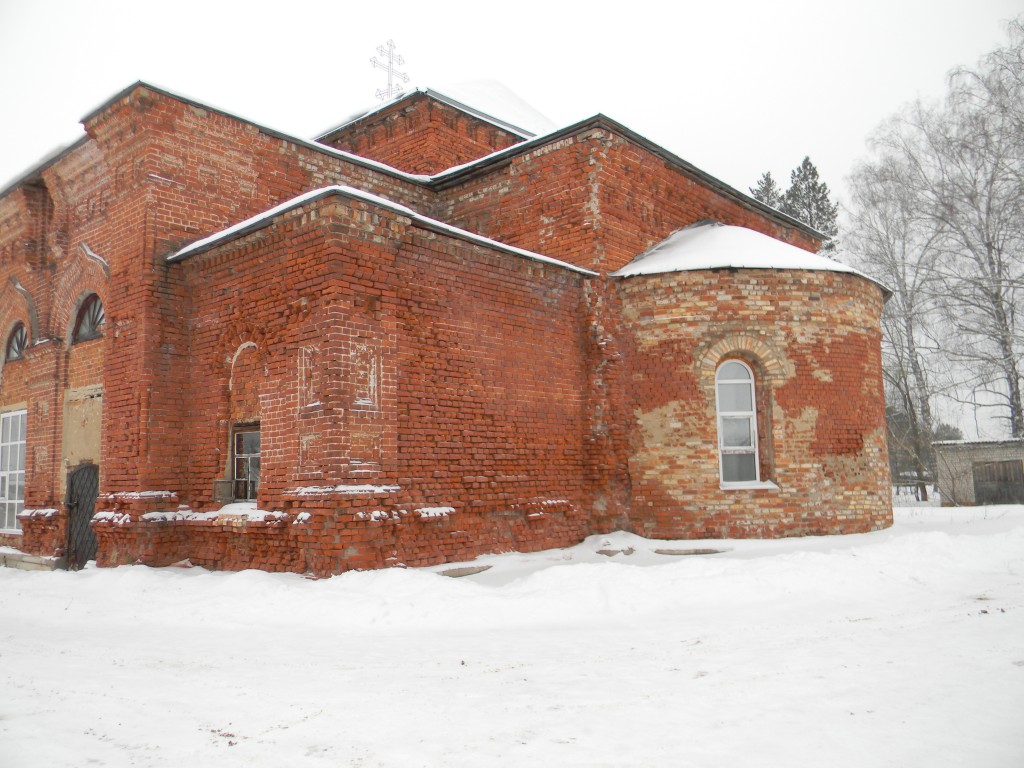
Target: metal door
(83, 486)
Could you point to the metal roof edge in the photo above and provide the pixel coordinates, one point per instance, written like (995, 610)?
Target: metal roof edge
(277, 134)
(121, 94)
(261, 220)
(458, 174)
(453, 176)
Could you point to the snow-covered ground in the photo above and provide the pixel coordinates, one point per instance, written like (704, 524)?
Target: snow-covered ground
(898, 648)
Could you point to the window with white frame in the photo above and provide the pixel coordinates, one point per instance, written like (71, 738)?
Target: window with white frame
(737, 423)
(246, 450)
(12, 468)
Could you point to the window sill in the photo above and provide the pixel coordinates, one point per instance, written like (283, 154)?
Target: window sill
(764, 485)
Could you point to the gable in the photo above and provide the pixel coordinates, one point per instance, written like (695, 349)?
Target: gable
(423, 133)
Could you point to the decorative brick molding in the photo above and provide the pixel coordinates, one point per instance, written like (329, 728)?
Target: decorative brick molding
(754, 349)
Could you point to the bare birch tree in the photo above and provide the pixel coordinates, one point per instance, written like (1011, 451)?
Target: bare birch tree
(895, 242)
(962, 166)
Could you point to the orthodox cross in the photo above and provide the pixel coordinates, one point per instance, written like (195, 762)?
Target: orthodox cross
(388, 65)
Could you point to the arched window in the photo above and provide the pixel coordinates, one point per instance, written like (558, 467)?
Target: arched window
(17, 343)
(737, 423)
(89, 324)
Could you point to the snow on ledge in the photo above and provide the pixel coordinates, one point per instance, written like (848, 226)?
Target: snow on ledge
(47, 512)
(178, 515)
(236, 511)
(114, 518)
(427, 512)
(712, 245)
(261, 220)
(318, 490)
(247, 510)
(128, 495)
(380, 515)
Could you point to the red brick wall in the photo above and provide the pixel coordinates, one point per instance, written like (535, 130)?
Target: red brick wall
(182, 171)
(813, 342)
(421, 135)
(643, 199)
(595, 199)
(493, 379)
(85, 363)
(543, 201)
(378, 352)
(32, 245)
(478, 402)
(253, 305)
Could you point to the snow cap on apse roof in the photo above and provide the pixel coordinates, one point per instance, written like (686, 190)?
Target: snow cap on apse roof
(712, 245)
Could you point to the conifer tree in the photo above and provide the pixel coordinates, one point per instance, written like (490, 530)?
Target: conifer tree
(807, 199)
(767, 191)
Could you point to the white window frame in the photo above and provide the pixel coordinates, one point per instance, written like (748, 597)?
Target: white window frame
(245, 466)
(751, 418)
(13, 439)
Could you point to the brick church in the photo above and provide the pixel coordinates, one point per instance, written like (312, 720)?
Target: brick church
(426, 335)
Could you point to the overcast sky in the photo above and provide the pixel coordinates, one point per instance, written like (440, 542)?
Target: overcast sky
(736, 88)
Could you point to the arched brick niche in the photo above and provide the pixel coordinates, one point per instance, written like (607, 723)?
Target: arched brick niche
(812, 343)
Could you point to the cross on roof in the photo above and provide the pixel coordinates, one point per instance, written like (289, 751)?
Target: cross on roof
(391, 61)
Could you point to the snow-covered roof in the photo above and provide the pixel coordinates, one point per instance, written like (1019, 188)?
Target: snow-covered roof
(712, 245)
(488, 100)
(491, 98)
(264, 219)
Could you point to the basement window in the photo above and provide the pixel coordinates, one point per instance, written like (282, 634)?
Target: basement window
(246, 460)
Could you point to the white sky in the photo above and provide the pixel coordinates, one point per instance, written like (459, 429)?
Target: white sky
(736, 89)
